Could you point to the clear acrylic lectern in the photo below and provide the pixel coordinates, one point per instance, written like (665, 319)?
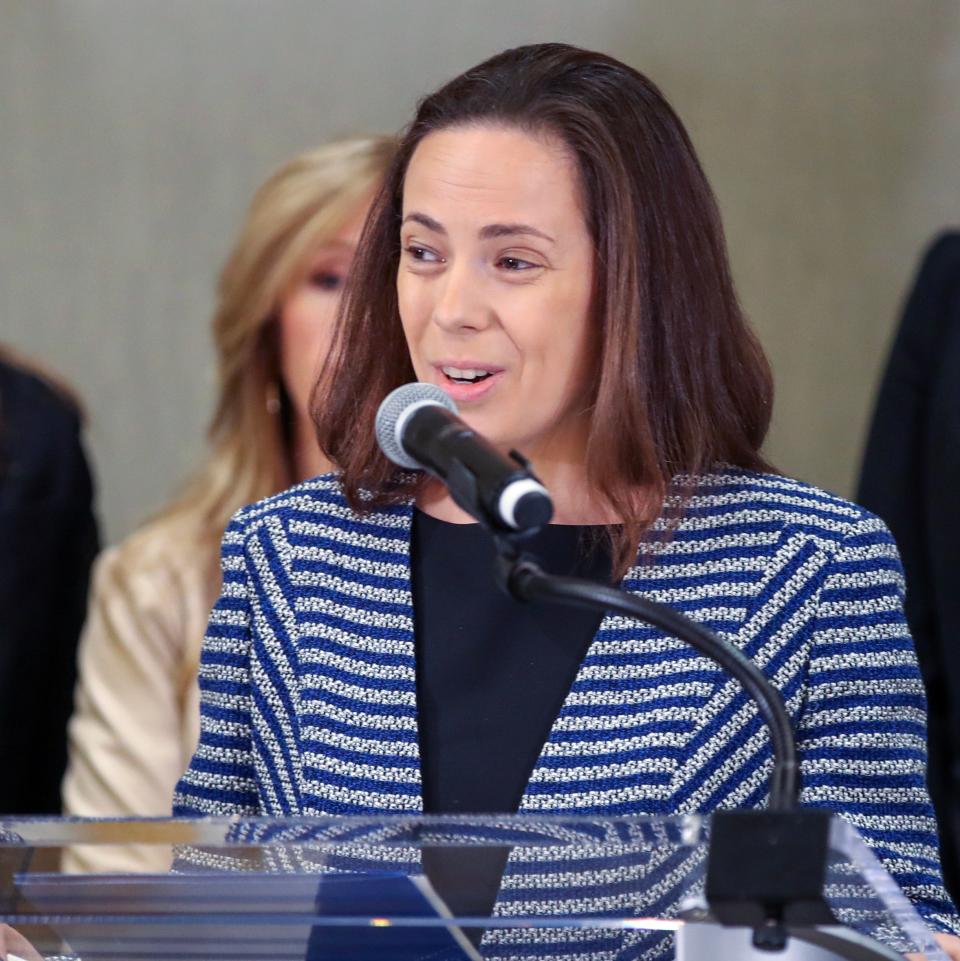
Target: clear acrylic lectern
(406, 888)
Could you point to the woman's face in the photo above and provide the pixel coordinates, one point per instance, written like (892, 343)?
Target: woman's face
(494, 285)
(307, 315)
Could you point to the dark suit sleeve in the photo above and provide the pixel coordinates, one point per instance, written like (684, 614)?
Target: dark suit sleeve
(910, 478)
(49, 538)
(941, 497)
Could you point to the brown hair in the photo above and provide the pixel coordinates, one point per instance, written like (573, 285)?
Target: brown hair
(682, 383)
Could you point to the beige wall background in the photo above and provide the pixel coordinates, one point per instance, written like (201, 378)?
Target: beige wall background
(132, 134)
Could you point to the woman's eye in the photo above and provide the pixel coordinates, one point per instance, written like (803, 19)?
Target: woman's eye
(327, 280)
(422, 254)
(515, 263)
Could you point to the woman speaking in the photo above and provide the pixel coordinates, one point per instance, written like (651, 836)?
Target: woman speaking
(546, 249)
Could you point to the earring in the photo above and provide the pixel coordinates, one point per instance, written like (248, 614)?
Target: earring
(272, 398)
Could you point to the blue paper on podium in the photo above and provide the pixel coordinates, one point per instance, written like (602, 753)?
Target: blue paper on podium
(247, 917)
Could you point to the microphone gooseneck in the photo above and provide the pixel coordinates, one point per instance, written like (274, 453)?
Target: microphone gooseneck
(743, 843)
(523, 579)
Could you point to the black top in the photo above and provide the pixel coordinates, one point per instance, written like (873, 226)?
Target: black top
(492, 675)
(49, 539)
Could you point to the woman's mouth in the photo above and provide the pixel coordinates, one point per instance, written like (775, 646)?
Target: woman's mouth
(467, 381)
(465, 375)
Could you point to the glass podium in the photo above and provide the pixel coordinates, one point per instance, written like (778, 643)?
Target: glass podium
(405, 888)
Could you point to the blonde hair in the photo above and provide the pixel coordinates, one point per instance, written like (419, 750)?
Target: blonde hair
(300, 207)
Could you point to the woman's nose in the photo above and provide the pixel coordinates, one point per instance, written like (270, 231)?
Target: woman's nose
(460, 304)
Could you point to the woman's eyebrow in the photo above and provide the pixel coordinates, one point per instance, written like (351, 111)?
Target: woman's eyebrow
(425, 221)
(489, 232)
(506, 230)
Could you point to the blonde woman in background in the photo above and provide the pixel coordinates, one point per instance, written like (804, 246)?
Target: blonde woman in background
(136, 717)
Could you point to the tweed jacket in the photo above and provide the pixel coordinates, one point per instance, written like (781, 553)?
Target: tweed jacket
(308, 687)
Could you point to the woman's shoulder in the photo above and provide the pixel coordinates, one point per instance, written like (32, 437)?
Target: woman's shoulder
(40, 440)
(166, 556)
(322, 494)
(152, 592)
(29, 395)
(316, 503)
(759, 504)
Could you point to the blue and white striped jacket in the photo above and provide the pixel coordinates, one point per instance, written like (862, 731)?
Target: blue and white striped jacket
(309, 696)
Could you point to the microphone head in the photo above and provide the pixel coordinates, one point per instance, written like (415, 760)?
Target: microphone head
(393, 412)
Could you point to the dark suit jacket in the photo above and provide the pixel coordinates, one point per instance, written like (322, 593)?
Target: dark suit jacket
(48, 539)
(911, 478)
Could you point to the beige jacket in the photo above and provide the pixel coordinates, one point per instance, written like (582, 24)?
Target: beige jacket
(136, 712)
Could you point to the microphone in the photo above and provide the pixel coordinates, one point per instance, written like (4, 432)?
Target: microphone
(418, 427)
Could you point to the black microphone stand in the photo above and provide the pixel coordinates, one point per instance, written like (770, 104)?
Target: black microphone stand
(766, 869)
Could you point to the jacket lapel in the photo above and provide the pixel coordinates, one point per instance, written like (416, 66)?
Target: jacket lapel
(616, 742)
(652, 727)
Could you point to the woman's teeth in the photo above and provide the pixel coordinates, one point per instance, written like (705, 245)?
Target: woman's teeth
(467, 375)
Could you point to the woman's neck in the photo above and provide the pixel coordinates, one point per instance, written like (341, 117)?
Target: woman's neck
(306, 458)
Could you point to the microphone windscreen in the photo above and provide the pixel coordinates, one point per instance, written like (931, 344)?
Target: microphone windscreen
(396, 407)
